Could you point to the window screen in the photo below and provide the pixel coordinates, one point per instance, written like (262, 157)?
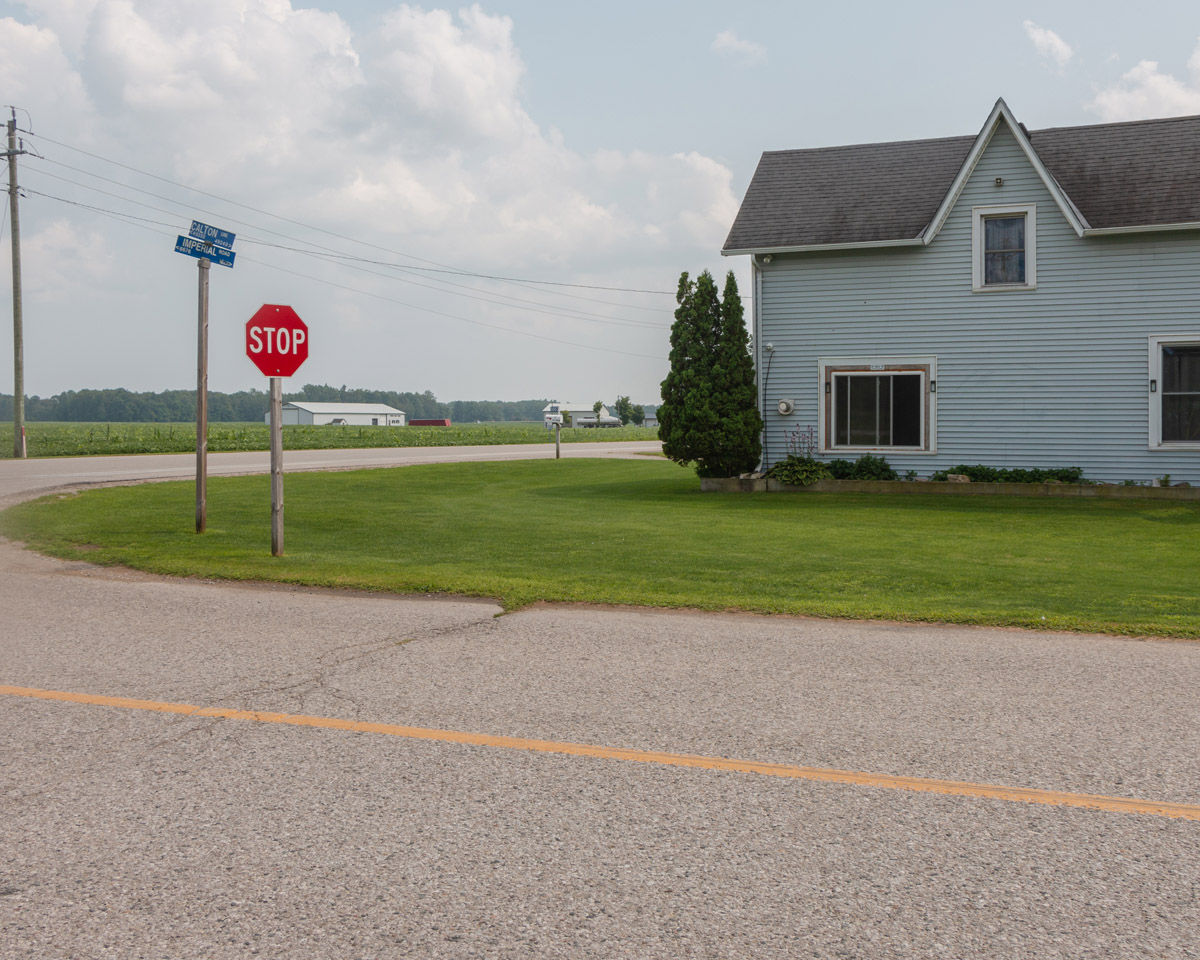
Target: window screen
(1181, 393)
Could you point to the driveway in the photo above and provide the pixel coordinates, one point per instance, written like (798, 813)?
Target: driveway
(195, 769)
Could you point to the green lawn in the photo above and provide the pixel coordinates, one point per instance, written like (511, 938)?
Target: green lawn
(93, 439)
(640, 532)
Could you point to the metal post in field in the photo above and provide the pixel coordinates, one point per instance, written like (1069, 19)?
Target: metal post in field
(202, 401)
(277, 466)
(557, 446)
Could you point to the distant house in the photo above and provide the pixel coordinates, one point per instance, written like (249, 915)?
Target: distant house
(582, 414)
(341, 414)
(1017, 298)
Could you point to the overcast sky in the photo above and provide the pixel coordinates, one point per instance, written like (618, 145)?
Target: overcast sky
(359, 147)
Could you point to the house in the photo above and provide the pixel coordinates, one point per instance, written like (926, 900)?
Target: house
(582, 414)
(341, 414)
(1017, 298)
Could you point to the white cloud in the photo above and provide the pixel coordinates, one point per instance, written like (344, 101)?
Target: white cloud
(1145, 92)
(1049, 44)
(66, 255)
(414, 135)
(730, 46)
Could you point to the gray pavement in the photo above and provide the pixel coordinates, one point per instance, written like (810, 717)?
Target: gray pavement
(22, 478)
(136, 834)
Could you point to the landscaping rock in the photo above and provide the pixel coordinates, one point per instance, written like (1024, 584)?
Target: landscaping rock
(957, 478)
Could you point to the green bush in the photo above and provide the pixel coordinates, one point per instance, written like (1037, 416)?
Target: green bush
(799, 471)
(981, 474)
(871, 467)
(840, 469)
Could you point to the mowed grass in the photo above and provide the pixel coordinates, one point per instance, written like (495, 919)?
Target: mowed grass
(640, 532)
(44, 439)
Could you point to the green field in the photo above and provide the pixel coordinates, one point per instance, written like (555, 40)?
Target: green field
(640, 532)
(97, 439)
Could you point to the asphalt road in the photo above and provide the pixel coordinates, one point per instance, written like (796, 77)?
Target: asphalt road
(22, 478)
(128, 830)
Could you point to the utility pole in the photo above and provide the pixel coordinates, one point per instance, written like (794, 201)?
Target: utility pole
(18, 332)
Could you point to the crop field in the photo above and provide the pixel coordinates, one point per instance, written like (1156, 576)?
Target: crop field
(99, 439)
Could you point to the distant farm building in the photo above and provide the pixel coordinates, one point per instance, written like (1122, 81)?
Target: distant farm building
(341, 414)
(444, 422)
(582, 414)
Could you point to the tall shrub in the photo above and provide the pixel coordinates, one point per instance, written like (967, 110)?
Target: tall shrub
(709, 414)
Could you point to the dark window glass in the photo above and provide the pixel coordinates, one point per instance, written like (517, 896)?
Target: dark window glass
(906, 410)
(1003, 250)
(842, 407)
(864, 411)
(1181, 393)
(877, 411)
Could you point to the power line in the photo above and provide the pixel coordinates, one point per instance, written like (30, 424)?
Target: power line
(308, 226)
(328, 252)
(131, 221)
(533, 306)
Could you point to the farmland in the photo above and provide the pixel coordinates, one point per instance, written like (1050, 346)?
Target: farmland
(101, 439)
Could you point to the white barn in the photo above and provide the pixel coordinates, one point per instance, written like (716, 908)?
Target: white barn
(582, 414)
(341, 414)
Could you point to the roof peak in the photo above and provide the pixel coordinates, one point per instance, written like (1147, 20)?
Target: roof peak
(1152, 121)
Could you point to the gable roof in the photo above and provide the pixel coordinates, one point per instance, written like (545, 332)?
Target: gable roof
(1106, 177)
(341, 407)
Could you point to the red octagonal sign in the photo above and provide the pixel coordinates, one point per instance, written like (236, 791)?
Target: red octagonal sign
(276, 340)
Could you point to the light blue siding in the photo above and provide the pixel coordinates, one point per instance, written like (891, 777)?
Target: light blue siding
(1056, 376)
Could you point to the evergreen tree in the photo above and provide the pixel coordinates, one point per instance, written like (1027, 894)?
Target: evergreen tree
(709, 414)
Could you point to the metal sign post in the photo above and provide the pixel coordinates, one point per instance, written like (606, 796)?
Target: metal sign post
(208, 245)
(276, 343)
(276, 467)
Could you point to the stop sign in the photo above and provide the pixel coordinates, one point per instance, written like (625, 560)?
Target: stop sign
(276, 340)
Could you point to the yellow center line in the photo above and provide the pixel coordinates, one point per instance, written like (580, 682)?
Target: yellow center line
(954, 788)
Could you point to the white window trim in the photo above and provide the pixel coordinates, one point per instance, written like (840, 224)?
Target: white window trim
(828, 366)
(1155, 397)
(978, 215)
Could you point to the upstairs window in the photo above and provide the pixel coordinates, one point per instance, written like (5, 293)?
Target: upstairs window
(1003, 248)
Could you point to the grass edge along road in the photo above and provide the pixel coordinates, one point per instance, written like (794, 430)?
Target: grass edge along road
(106, 439)
(640, 533)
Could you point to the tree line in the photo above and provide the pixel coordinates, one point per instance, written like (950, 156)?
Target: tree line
(179, 406)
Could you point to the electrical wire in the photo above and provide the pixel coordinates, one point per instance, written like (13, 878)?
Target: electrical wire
(307, 226)
(531, 306)
(131, 220)
(328, 253)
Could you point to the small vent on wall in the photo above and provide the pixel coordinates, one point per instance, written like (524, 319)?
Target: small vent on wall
(786, 407)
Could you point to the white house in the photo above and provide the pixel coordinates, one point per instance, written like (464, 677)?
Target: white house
(341, 414)
(582, 414)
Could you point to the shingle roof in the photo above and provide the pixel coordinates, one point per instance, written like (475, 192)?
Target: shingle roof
(1116, 174)
(1126, 174)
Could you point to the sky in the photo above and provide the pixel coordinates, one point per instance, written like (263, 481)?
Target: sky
(488, 201)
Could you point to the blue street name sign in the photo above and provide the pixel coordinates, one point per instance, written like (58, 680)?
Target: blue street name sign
(220, 238)
(201, 250)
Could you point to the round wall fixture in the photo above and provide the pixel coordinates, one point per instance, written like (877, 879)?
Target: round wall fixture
(786, 407)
